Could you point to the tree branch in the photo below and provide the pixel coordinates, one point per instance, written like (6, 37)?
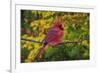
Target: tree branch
(67, 42)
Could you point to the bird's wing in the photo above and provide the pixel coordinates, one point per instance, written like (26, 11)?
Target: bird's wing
(51, 35)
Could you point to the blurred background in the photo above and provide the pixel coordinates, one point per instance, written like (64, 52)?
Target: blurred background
(34, 26)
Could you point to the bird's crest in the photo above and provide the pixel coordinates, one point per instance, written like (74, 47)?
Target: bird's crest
(58, 22)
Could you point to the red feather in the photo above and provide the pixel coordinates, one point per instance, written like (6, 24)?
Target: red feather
(54, 36)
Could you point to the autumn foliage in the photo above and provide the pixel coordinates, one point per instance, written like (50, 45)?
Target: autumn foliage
(35, 25)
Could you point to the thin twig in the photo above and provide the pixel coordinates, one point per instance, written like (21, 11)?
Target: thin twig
(70, 42)
(31, 40)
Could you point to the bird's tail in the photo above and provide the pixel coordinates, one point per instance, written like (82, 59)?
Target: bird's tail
(41, 52)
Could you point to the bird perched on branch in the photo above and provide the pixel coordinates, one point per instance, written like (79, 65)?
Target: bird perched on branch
(53, 37)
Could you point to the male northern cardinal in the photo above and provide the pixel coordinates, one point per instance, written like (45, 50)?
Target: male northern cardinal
(53, 37)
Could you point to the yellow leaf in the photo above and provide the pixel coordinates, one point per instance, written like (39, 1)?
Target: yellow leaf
(25, 36)
(85, 43)
(30, 47)
(31, 55)
(24, 46)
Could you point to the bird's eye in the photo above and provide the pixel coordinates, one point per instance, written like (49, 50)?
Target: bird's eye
(60, 26)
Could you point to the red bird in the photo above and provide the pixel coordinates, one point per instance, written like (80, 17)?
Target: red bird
(54, 36)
